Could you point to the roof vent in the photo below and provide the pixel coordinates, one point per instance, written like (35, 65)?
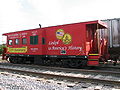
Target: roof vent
(40, 25)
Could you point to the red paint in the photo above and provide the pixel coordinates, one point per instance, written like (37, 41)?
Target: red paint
(93, 63)
(70, 39)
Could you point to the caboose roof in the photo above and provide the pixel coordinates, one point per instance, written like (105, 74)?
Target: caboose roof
(100, 24)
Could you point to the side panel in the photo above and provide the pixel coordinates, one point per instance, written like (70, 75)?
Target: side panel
(25, 49)
(113, 35)
(66, 40)
(43, 42)
(113, 32)
(35, 49)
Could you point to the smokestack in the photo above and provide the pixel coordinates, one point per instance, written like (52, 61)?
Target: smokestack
(40, 25)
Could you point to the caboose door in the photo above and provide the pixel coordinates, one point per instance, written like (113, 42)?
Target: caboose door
(92, 38)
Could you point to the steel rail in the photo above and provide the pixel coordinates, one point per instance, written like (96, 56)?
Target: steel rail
(67, 70)
(79, 70)
(63, 77)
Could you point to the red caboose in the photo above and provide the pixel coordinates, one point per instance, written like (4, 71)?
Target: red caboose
(74, 45)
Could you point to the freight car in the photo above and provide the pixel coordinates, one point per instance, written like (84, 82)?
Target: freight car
(74, 45)
(112, 34)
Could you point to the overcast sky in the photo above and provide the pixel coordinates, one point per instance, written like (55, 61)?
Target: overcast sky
(16, 15)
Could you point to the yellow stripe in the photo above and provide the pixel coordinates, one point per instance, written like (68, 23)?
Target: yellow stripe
(92, 59)
(93, 54)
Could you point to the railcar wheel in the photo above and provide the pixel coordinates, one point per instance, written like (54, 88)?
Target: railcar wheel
(11, 60)
(83, 63)
(15, 60)
(58, 63)
(77, 63)
(24, 60)
(74, 63)
(65, 63)
(19, 60)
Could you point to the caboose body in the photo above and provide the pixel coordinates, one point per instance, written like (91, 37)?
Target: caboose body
(74, 45)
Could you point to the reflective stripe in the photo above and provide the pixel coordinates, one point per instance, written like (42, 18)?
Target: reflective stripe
(93, 54)
(92, 59)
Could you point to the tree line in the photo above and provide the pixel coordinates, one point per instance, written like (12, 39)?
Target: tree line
(1, 48)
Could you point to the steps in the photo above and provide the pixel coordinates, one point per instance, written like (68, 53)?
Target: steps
(93, 60)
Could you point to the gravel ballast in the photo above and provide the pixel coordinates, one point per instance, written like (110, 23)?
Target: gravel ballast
(10, 81)
(84, 75)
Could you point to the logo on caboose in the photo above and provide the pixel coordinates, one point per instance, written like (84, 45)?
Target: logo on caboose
(60, 33)
(65, 37)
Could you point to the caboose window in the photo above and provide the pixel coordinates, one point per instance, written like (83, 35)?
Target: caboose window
(16, 41)
(43, 40)
(34, 40)
(10, 42)
(24, 41)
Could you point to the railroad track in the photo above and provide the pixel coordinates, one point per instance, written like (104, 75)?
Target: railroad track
(71, 78)
(67, 70)
(101, 67)
(68, 74)
(111, 67)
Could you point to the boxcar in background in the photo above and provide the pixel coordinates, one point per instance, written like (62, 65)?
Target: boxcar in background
(113, 35)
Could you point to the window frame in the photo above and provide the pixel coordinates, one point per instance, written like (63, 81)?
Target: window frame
(24, 41)
(9, 42)
(34, 40)
(17, 43)
(43, 41)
